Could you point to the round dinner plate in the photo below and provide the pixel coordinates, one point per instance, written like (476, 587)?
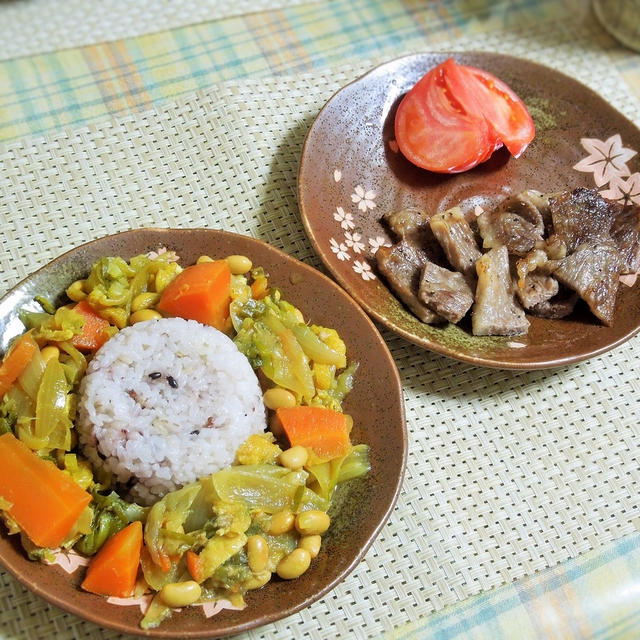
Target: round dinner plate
(351, 173)
(362, 506)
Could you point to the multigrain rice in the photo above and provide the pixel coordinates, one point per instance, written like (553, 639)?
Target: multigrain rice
(165, 402)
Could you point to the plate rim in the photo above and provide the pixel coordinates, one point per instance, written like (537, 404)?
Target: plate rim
(371, 310)
(71, 607)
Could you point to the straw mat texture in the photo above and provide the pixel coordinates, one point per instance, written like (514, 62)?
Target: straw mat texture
(76, 23)
(508, 473)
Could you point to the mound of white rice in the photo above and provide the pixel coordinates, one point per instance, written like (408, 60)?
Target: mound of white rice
(165, 402)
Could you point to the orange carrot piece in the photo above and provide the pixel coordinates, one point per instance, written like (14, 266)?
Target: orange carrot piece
(113, 570)
(324, 431)
(201, 292)
(194, 565)
(45, 501)
(15, 361)
(94, 333)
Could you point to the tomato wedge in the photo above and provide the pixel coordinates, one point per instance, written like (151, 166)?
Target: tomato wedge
(435, 133)
(481, 92)
(456, 116)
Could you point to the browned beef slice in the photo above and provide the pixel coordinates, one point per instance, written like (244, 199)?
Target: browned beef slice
(456, 238)
(412, 225)
(559, 306)
(580, 216)
(445, 292)
(626, 233)
(536, 289)
(593, 272)
(495, 311)
(401, 265)
(516, 223)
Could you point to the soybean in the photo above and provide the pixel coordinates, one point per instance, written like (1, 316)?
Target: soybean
(281, 522)
(313, 522)
(238, 265)
(144, 314)
(258, 580)
(180, 594)
(75, 291)
(202, 259)
(311, 544)
(49, 352)
(278, 398)
(294, 564)
(144, 300)
(294, 458)
(257, 553)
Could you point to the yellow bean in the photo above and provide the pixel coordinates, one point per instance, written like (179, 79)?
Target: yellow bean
(257, 580)
(162, 279)
(238, 265)
(281, 522)
(144, 300)
(294, 564)
(180, 594)
(311, 544)
(49, 352)
(313, 522)
(202, 259)
(257, 553)
(278, 398)
(294, 458)
(144, 314)
(75, 291)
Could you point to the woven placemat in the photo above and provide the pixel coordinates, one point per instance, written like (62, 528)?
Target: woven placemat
(508, 473)
(40, 26)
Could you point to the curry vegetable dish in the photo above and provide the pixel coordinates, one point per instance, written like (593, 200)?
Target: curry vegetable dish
(181, 427)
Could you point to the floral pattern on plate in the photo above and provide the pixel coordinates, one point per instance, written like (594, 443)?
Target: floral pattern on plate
(606, 160)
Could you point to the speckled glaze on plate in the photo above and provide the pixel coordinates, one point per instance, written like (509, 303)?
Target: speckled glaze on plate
(361, 508)
(351, 173)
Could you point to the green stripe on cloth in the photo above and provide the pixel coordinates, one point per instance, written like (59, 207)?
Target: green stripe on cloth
(595, 595)
(75, 86)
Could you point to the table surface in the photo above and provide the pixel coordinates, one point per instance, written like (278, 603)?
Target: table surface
(519, 514)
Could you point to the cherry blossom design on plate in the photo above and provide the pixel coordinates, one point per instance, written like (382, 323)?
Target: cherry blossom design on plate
(352, 240)
(607, 161)
(69, 560)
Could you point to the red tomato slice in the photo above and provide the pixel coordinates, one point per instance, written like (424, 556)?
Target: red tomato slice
(434, 132)
(456, 116)
(479, 91)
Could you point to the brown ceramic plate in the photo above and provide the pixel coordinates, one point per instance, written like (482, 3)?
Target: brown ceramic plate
(351, 173)
(361, 508)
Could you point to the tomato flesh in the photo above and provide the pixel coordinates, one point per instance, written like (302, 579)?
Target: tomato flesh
(456, 116)
(433, 132)
(480, 91)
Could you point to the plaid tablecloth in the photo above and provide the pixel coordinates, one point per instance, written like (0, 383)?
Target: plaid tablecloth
(519, 512)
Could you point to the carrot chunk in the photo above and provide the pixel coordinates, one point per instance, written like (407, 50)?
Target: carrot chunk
(94, 330)
(45, 501)
(113, 570)
(194, 565)
(324, 431)
(16, 360)
(201, 292)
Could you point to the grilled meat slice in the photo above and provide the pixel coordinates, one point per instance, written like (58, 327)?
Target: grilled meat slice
(536, 289)
(560, 306)
(456, 238)
(495, 311)
(626, 233)
(402, 266)
(581, 216)
(516, 223)
(593, 271)
(445, 292)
